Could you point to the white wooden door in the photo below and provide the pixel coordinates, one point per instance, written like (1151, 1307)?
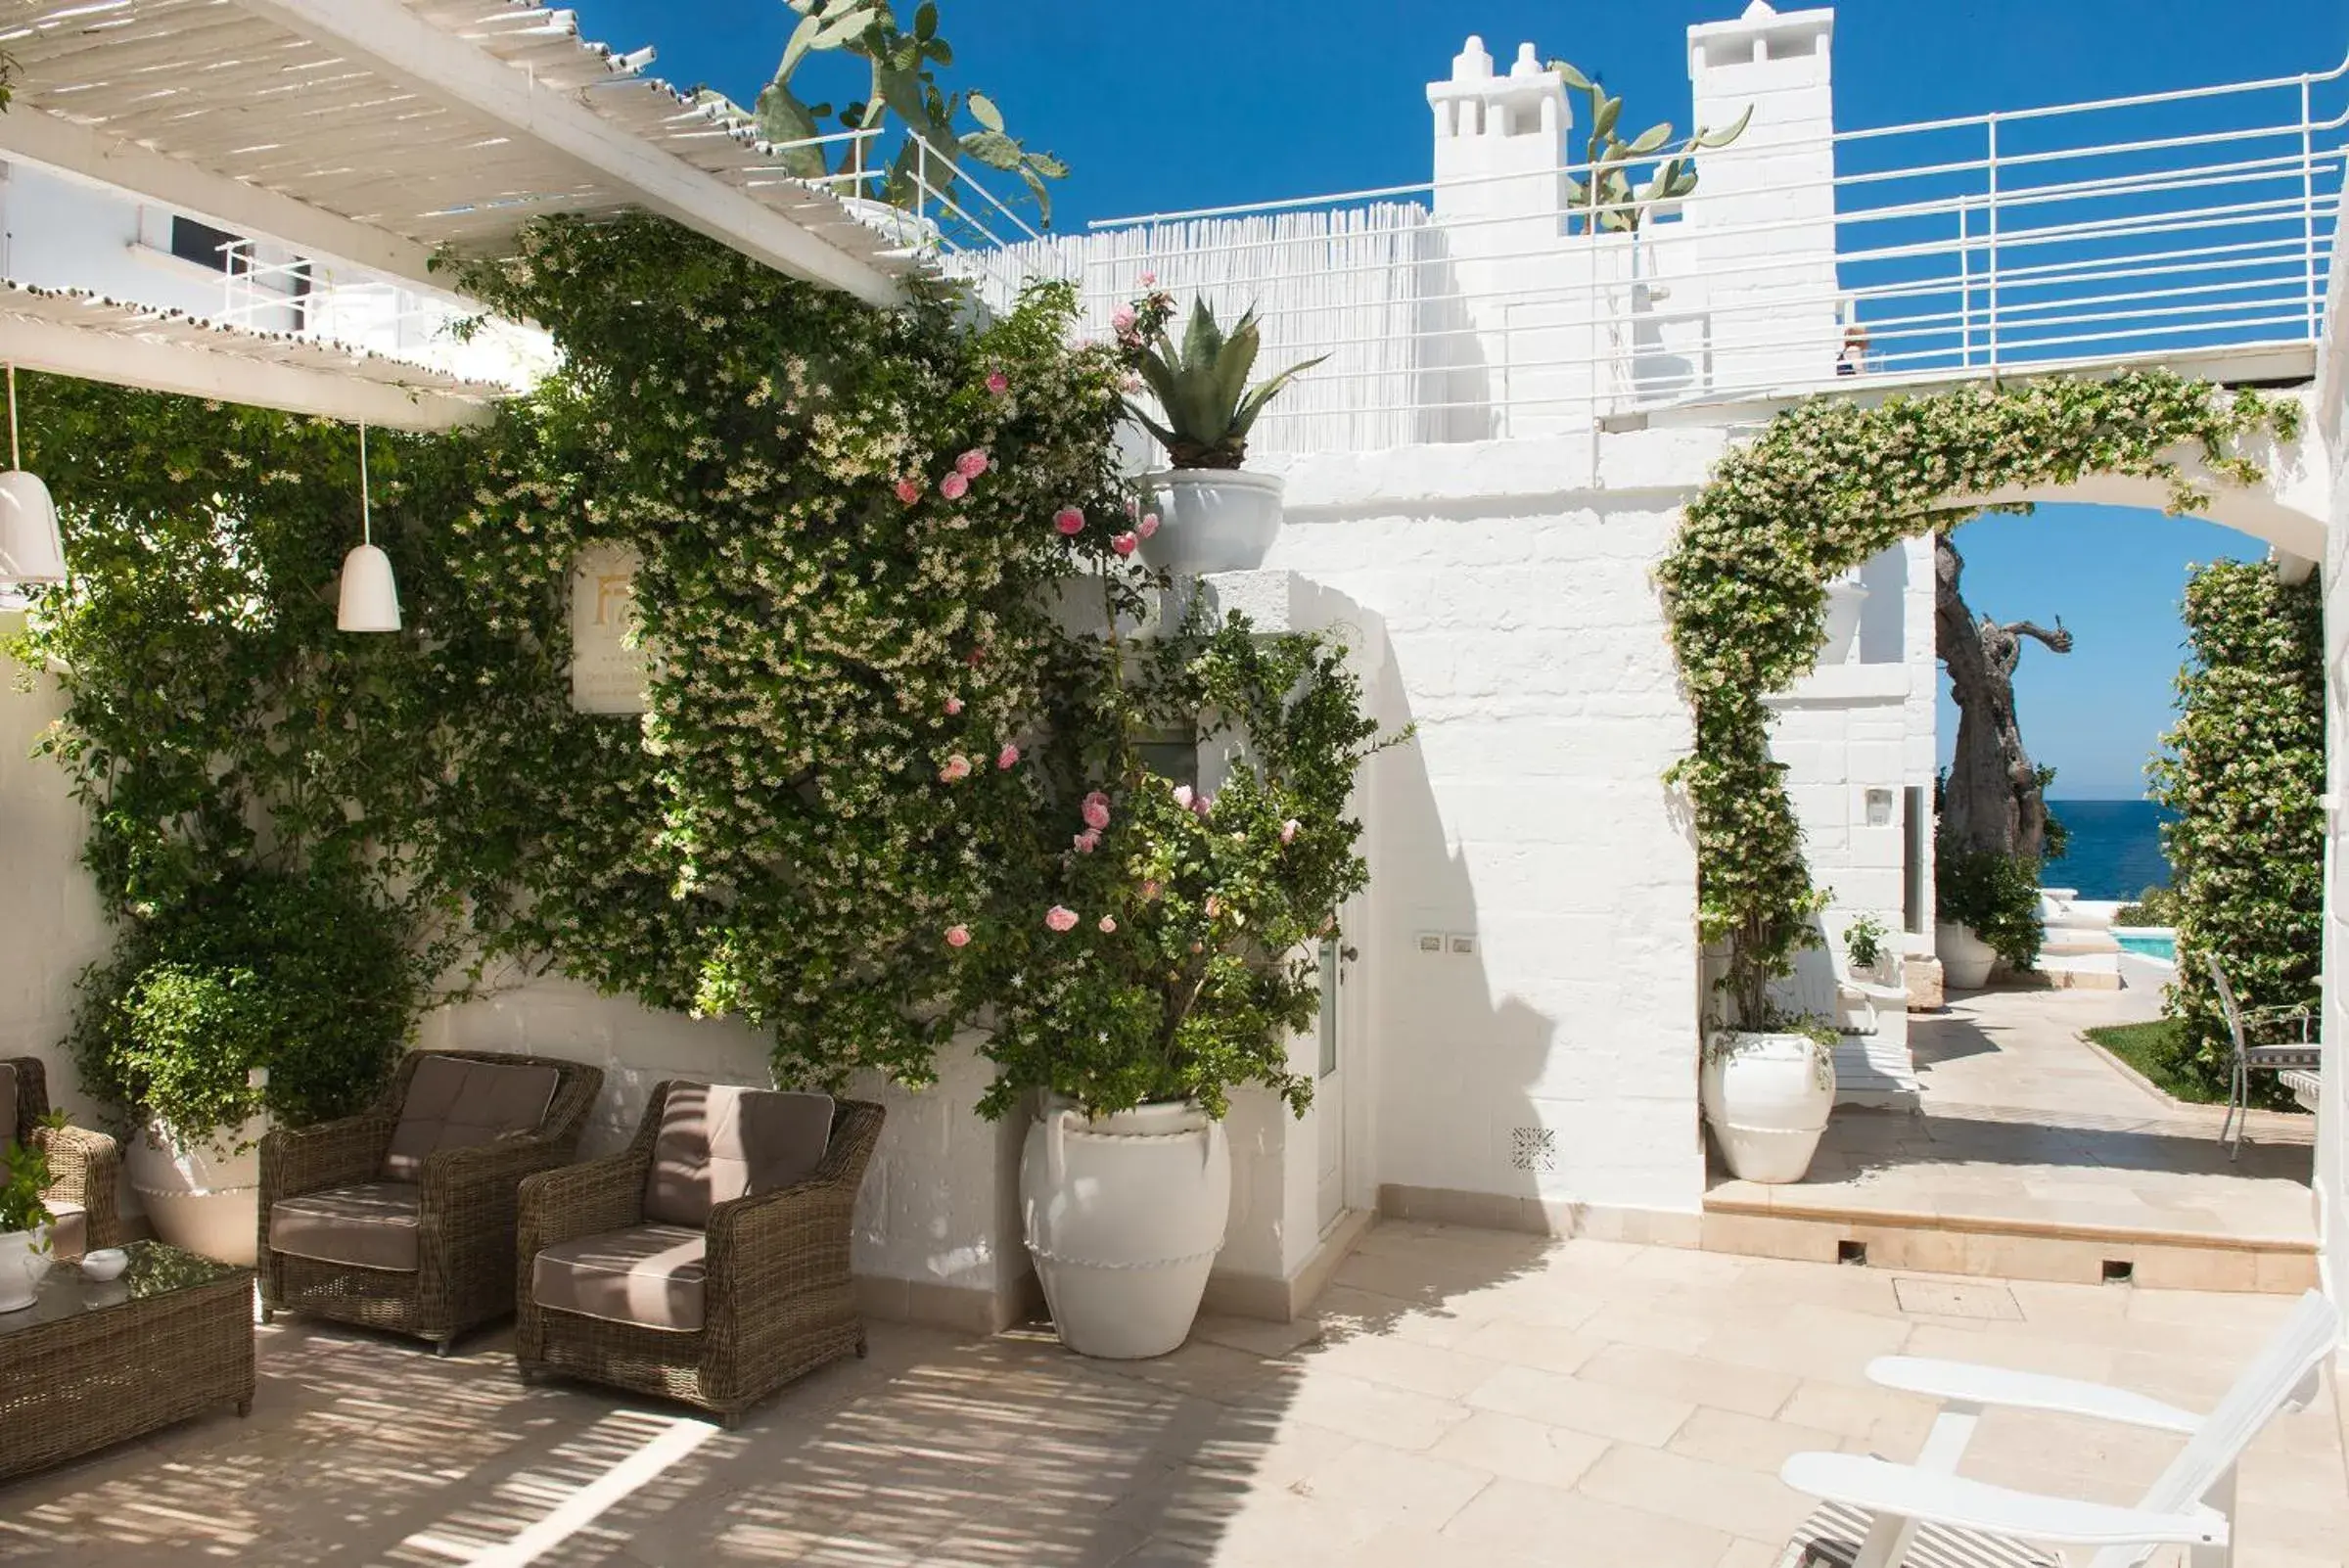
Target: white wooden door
(1329, 1088)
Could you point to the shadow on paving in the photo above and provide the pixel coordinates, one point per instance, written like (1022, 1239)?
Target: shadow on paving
(368, 1449)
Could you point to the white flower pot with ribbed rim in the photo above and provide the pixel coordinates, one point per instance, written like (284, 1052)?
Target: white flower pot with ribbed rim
(202, 1196)
(1123, 1215)
(1767, 1098)
(1847, 597)
(23, 1265)
(1966, 960)
(1212, 520)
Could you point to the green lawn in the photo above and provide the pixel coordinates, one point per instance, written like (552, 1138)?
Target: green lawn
(2149, 1047)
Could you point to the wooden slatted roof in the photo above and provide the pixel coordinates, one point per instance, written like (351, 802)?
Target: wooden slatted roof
(404, 125)
(88, 334)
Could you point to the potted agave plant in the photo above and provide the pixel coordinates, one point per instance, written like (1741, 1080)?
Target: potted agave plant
(1218, 517)
(1155, 947)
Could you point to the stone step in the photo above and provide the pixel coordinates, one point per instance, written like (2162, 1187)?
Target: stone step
(1785, 1227)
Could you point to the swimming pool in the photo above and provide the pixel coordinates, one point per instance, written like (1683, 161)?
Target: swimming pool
(2153, 943)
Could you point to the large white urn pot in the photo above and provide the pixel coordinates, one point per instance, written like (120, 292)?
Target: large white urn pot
(202, 1195)
(24, 1264)
(1846, 598)
(1212, 520)
(1965, 958)
(1767, 1098)
(1124, 1217)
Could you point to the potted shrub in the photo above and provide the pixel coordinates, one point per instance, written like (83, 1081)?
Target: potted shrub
(1766, 1077)
(270, 996)
(1158, 945)
(1988, 909)
(25, 1221)
(1218, 517)
(1864, 947)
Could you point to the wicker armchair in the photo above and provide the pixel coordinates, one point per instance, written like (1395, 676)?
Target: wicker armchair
(82, 1165)
(773, 1297)
(458, 1203)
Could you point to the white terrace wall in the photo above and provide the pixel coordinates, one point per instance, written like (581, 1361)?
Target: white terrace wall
(2329, 453)
(1545, 1079)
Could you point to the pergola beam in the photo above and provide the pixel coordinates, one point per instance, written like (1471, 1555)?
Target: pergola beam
(87, 154)
(385, 37)
(191, 369)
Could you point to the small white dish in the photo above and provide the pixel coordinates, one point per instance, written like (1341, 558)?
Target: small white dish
(105, 1262)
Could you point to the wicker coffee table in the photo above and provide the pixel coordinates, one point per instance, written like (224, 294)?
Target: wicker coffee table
(90, 1364)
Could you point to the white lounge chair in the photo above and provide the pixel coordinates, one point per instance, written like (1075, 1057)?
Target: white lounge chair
(1925, 1515)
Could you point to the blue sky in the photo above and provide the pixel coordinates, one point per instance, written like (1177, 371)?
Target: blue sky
(1193, 103)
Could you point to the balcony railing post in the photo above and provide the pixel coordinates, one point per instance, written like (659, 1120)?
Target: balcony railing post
(1992, 261)
(1965, 288)
(2308, 206)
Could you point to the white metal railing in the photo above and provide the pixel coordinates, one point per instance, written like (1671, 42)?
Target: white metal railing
(294, 297)
(2163, 226)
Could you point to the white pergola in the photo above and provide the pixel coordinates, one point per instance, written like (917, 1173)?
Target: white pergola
(377, 132)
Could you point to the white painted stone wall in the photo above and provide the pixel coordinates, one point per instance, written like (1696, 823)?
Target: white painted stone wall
(50, 923)
(1557, 1061)
(2329, 448)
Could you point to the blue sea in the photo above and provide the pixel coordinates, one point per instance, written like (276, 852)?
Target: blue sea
(2115, 850)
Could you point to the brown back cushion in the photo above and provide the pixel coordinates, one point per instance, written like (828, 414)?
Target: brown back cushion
(718, 1144)
(8, 1113)
(455, 1104)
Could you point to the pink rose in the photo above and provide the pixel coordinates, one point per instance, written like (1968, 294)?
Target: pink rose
(953, 706)
(1007, 757)
(954, 486)
(1095, 813)
(958, 767)
(1214, 906)
(1203, 804)
(1288, 830)
(1124, 543)
(1149, 279)
(1182, 795)
(1068, 519)
(1122, 319)
(1060, 918)
(970, 464)
(1109, 925)
(909, 490)
(1150, 889)
(1087, 842)
(998, 382)
(958, 936)
(1130, 383)
(1148, 526)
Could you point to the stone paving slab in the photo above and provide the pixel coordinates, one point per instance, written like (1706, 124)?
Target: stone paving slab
(1461, 1398)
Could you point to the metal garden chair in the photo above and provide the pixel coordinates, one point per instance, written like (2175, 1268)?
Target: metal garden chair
(2301, 1053)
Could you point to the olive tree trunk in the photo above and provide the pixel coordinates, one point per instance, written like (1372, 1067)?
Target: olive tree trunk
(1993, 800)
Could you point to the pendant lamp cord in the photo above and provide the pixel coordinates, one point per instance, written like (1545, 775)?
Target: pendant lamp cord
(13, 459)
(366, 518)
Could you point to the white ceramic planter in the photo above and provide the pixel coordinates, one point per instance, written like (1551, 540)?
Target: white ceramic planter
(1846, 598)
(23, 1265)
(1212, 520)
(1124, 1217)
(1965, 958)
(203, 1198)
(1767, 1098)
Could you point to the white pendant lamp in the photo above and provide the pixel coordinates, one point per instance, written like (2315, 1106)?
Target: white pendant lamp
(30, 550)
(370, 600)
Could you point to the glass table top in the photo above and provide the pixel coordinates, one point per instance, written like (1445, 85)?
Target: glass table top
(155, 1270)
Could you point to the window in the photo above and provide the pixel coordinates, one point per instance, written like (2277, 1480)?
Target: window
(207, 246)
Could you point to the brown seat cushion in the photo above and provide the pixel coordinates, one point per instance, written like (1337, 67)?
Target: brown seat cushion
(8, 1109)
(720, 1142)
(455, 1104)
(371, 1226)
(69, 1229)
(649, 1276)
